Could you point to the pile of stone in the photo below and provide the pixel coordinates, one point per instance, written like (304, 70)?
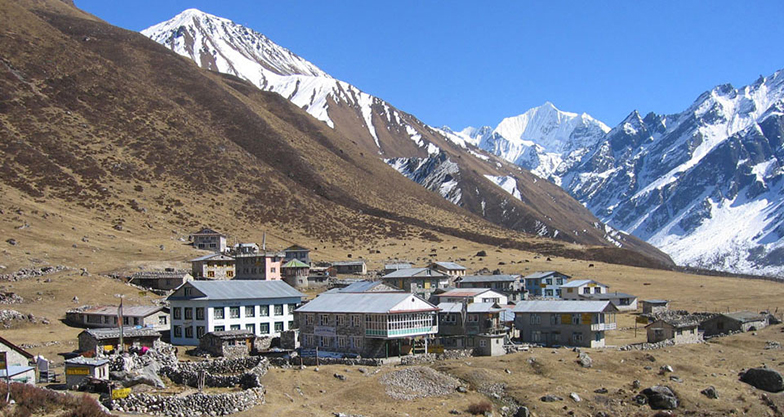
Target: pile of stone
(648, 346)
(10, 298)
(25, 273)
(418, 382)
(189, 405)
(10, 317)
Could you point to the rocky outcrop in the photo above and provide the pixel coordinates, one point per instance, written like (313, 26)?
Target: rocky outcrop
(660, 397)
(766, 379)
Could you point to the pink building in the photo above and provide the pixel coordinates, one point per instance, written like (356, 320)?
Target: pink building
(259, 266)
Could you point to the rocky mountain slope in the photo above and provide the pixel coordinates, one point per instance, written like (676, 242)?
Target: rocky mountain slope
(466, 177)
(104, 125)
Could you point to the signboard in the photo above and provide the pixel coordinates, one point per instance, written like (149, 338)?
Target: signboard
(542, 285)
(587, 318)
(3, 361)
(142, 293)
(566, 319)
(108, 348)
(77, 370)
(592, 285)
(641, 320)
(324, 330)
(435, 349)
(120, 393)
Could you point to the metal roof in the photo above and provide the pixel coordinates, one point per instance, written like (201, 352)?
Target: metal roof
(296, 248)
(655, 301)
(561, 306)
(465, 292)
(471, 308)
(240, 290)
(545, 274)
(81, 360)
(230, 334)
(450, 265)
(677, 322)
(744, 316)
(207, 231)
(159, 275)
(415, 273)
(295, 264)
(128, 311)
(608, 296)
(489, 278)
(581, 282)
(348, 263)
(219, 256)
(14, 370)
(113, 332)
(366, 302)
(401, 265)
(368, 286)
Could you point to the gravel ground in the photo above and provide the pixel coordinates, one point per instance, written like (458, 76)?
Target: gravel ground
(418, 382)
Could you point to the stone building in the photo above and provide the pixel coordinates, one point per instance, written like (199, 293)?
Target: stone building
(452, 269)
(681, 330)
(655, 306)
(471, 295)
(300, 253)
(545, 284)
(156, 317)
(100, 341)
(420, 281)
(167, 279)
(263, 307)
(79, 369)
(739, 321)
(564, 323)
(228, 343)
(209, 239)
(369, 324)
(19, 362)
(513, 286)
(213, 266)
(474, 326)
(349, 267)
(296, 273)
(622, 301)
(572, 290)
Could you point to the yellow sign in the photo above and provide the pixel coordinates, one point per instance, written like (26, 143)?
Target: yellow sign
(542, 285)
(641, 320)
(587, 318)
(80, 370)
(3, 361)
(142, 293)
(435, 349)
(108, 348)
(120, 393)
(566, 319)
(592, 285)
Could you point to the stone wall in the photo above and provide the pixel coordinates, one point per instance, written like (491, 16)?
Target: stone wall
(190, 405)
(228, 372)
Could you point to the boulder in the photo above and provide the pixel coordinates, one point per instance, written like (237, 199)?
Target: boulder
(549, 398)
(522, 412)
(710, 392)
(766, 379)
(585, 360)
(660, 397)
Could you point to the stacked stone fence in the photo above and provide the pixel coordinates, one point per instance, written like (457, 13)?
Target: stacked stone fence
(244, 372)
(197, 404)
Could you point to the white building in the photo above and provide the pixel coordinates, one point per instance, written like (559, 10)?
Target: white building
(209, 239)
(572, 290)
(264, 307)
(472, 295)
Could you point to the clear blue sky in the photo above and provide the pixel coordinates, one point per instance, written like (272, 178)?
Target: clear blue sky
(465, 63)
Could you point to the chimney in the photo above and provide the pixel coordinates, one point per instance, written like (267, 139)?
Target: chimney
(264, 242)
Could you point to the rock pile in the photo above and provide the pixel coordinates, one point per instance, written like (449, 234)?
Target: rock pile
(244, 372)
(648, 346)
(190, 405)
(10, 298)
(25, 273)
(418, 382)
(9, 317)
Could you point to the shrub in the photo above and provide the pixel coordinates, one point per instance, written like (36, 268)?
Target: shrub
(31, 400)
(480, 408)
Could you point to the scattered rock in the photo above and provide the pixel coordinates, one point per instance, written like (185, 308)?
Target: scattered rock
(576, 398)
(710, 392)
(549, 398)
(585, 360)
(601, 390)
(418, 382)
(11, 242)
(523, 412)
(766, 379)
(664, 369)
(508, 371)
(636, 384)
(340, 377)
(660, 397)
(481, 253)
(461, 389)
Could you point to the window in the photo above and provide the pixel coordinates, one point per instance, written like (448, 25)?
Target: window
(473, 318)
(556, 338)
(577, 337)
(263, 328)
(278, 309)
(199, 313)
(482, 343)
(272, 269)
(161, 320)
(448, 318)
(234, 312)
(176, 311)
(308, 319)
(548, 281)
(251, 327)
(536, 319)
(307, 340)
(342, 342)
(570, 290)
(555, 319)
(189, 332)
(356, 320)
(210, 274)
(597, 290)
(199, 332)
(548, 293)
(341, 320)
(263, 311)
(536, 336)
(126, 321)
(135, 321)
(576, 318)
(278, 326)
(177, 331)
(291, 308)
(559, 281)
(325, 341)
(188, 290)
(217, 313)
(356, 342)
(188, 313)
(324, 320)
(219, 328)
(234, 327)
(250, 311)
(291, 324)
(586, 290)
(229, 274)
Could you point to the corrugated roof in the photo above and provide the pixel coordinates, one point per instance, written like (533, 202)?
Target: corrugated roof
(207, 231)
(544, 274)
(580, 282)
(16, 348)
(368, 286)
(213, 256)
(464, 292)
(295, 264)
(608, 296)
(561, 306)
(348, 263)
(745, 316)
(450, 265)
(296, 248)
(366, 302)
(471, 308)
(489, 278)
(159, 275)
(416, 273)
(113, 332)
(129, 311)
(241, 290)
(402, 265)
(655, 301)
(14, 370)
